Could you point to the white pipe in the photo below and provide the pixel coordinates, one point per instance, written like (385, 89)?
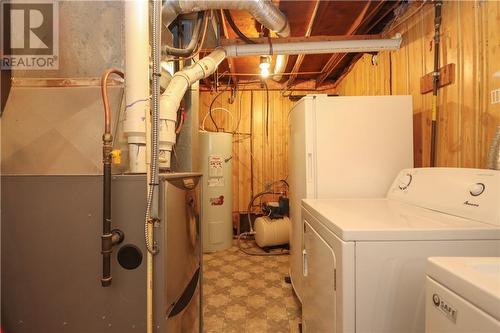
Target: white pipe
(137, 81)
(264, 11)
(183, 79)
(340, 46)
(279, 67)
(168, 118)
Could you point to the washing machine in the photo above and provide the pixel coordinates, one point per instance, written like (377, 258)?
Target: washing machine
(463, 295)
(365, 259)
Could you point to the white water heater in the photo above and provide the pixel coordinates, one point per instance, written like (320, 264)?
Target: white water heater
(216, 153)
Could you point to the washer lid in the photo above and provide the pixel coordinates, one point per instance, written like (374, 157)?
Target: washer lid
(475, 279)
(384, 219)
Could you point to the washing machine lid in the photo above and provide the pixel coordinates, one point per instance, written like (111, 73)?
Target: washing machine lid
(385, 219)
(473, 278)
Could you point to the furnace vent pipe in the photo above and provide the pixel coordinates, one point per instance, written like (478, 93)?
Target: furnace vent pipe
(264, 11)
(137, 82)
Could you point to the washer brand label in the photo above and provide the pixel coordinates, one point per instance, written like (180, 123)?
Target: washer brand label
(468, 203)
(445, 308)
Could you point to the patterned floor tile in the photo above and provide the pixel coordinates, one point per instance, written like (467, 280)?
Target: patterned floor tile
(244, 293)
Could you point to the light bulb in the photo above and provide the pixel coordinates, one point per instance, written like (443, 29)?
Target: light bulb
(264, 71)
(264, 65)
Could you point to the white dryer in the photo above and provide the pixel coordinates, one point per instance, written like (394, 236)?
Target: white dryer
(365, 259)
(463, 295)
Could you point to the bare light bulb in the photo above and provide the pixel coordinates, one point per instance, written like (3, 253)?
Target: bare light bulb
(264, 72)
(264, 66)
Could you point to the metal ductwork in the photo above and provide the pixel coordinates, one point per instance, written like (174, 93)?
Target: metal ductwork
(264, 11)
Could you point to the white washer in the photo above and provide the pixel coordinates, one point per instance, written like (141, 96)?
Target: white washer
(463, 295)
(365, 259)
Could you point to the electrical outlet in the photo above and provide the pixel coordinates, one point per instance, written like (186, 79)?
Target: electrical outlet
(495, 96)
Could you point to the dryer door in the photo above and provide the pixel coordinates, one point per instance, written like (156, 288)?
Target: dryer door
(319, 294)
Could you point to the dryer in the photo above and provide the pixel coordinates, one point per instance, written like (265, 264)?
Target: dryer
(364, 259)
(462, 295)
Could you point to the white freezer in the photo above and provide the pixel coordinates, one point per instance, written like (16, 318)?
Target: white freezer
(344, 147)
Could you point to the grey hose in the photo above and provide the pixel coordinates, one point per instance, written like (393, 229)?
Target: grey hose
(152, 199)
(185, 52)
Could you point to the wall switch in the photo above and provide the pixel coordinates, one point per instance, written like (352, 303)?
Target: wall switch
(495, 96)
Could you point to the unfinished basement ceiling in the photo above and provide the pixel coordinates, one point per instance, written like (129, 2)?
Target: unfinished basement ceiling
(309, 18)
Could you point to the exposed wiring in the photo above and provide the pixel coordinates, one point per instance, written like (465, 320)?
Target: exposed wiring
(215, 109)
(210, 109)
(135, 102)
(252, 253)
(193, 43)
(267, 111)
(229, 18)
(200, 45)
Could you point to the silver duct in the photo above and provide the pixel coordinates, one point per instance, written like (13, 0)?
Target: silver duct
(264, 11)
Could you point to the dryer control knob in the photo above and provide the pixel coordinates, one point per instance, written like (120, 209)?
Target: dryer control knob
(405, 181)
(476, 189)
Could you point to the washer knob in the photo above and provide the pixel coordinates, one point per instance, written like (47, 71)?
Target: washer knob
(405, 181)
(477, 189)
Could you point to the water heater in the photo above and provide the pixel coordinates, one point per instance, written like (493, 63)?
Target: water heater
(216, 149)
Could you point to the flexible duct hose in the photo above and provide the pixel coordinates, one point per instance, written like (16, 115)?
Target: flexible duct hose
(195, 39)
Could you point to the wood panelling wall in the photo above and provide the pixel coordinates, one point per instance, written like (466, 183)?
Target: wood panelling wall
(467, 121)
(269, 152)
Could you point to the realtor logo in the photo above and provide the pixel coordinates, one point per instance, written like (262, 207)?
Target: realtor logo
(29, 34)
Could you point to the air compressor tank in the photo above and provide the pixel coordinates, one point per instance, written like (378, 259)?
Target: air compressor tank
(216, 150)
(272, 232)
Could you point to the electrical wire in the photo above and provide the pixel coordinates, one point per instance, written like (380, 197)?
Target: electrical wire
(200, 45)
(222, 109)
(267, 111)
(193, 43)
(229, 18)
(210, 109)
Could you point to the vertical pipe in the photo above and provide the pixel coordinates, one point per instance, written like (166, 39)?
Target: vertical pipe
(435, 81)
(107, 240)
(137, 83)
(153, 185)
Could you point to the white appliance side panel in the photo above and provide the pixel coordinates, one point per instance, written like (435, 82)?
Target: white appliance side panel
(299, 165)
(344, 297)
(447, 312)
(319, 294)
(390, 280)
(362, 143)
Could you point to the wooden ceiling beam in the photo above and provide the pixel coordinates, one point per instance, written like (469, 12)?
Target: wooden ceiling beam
(306, 85)
(336, 59)
(230, 61)
(300, 58)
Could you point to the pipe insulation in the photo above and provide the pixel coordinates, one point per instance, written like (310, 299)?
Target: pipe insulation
(137, 82)
(322, 47)
(264, 11)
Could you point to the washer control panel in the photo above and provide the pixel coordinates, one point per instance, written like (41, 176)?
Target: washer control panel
(477, 189)
(468, 193)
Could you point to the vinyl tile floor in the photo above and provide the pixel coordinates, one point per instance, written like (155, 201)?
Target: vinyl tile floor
(244, 293)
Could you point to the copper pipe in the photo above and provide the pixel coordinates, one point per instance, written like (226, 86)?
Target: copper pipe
(105, 101)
